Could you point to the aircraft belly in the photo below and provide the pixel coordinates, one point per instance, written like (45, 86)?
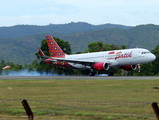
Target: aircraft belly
(114, 63)
(127, 61)
(79, 66)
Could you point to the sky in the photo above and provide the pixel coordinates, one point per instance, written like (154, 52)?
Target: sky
(95, 12)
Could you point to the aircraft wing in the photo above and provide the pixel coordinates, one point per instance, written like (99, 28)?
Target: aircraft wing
(84, 62)
(55, 59)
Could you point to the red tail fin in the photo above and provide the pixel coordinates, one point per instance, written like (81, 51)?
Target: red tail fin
(54, 49)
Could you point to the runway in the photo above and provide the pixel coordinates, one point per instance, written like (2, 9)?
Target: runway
(79, 77)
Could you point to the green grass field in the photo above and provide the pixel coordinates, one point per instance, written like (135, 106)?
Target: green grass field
(79, 99)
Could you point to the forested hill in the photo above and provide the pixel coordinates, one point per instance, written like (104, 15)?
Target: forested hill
(60, 29)
(145, 36)
(19, 43)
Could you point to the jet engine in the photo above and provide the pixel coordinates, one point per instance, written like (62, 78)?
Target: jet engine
(101, 66)
(129, 67)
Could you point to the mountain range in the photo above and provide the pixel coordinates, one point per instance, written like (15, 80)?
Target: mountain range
(19, 43)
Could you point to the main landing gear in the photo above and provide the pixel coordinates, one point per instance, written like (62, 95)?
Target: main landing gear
(110, 73)
(93, 73)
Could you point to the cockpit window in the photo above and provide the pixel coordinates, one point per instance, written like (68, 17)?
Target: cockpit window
(147, 52)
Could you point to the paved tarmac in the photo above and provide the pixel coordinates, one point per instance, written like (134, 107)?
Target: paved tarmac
(79, 77)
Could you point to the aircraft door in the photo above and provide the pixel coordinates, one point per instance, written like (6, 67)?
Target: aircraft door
(134, 55)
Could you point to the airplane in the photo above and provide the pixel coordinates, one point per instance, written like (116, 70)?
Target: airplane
(127, 59)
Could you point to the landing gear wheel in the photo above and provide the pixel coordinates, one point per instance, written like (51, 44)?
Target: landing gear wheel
(92, 74)
(110, 73)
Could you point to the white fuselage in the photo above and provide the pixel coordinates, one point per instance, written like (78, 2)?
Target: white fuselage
(115, 58)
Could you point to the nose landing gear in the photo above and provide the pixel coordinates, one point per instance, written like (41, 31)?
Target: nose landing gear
(139, 68)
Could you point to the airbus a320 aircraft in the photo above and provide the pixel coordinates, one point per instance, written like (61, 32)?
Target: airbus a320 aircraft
(127, 59)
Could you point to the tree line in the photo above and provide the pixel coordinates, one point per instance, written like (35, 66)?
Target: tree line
(40, 66)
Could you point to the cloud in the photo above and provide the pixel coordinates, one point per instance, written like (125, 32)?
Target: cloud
(92, 11)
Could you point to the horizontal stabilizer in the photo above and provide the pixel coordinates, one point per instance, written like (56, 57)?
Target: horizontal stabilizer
(41, 52)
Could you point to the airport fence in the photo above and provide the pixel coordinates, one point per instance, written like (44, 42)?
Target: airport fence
(138, 110)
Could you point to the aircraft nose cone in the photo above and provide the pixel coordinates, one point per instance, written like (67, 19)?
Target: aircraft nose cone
(153, 57)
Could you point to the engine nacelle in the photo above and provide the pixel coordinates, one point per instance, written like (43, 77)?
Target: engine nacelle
(101, 66)
(129, 67)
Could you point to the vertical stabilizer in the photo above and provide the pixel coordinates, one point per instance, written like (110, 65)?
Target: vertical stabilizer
(54, 48)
